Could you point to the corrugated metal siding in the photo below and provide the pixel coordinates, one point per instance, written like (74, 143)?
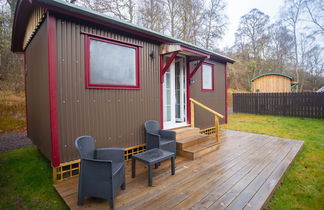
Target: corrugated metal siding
(38, 92)
(113, 117)
(214, 100)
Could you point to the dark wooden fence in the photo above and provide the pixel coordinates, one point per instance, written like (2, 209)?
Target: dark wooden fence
(310, 105)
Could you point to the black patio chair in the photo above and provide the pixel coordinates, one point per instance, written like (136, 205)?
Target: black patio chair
(158, 138)
(102, 170)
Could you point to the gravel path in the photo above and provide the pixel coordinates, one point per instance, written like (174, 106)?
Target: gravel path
(11, 141)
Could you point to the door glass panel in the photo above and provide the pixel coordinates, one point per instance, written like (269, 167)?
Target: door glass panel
(174, 94)
(167, 96)
(184, 93)
(177, 90)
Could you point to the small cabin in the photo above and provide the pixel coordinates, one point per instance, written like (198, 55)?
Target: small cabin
(272, 83)
(90, 74)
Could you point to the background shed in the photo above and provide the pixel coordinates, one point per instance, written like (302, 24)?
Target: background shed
(272, 83)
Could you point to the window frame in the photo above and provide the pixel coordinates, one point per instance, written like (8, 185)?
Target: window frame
(202, 78)
(90, 85)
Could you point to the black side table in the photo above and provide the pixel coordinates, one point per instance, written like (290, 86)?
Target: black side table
(152, 157)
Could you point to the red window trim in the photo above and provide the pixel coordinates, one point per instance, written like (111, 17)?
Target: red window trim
(89, 85)
(202, 80)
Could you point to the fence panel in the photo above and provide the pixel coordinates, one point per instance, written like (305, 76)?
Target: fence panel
(310, 105)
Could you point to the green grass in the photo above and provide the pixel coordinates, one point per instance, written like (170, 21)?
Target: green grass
(26, 181)
(12, 111)
(303, 184)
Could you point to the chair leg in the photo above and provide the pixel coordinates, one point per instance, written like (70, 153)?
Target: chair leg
(80, 193)
(123, 186)
(80, 199)
(111, 203)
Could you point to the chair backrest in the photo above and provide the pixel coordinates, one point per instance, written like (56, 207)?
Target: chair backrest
(85, 146)
(152, 126)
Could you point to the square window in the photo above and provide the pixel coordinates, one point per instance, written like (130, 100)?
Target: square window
(111, 64)
(207, 77)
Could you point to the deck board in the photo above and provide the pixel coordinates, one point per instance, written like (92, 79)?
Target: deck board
(242, 173)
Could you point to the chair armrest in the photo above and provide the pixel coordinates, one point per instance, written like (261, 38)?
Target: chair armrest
(113, 154)
(152, 141)
(167, 134)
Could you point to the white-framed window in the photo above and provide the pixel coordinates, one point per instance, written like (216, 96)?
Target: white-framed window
(207, 77)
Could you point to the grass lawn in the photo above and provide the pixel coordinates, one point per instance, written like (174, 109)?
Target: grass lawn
(303, 184)
(26, 181)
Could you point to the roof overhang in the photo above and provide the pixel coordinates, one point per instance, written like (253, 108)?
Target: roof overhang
(191, 54)
(22, 13)
(24, 8)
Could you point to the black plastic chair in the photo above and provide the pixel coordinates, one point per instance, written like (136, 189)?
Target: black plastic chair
(158, 138)
(102, 171)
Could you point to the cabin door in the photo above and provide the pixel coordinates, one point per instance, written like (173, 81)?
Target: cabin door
(174, 95)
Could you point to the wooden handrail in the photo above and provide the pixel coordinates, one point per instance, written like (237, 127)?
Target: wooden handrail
(206, 108)
(216, 114)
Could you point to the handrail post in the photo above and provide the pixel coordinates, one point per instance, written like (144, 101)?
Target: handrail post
(217, 128)
(192, 114)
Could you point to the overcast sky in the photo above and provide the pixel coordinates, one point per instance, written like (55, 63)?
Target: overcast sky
(237, 8)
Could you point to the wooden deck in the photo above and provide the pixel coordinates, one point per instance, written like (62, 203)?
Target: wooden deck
(242, 174)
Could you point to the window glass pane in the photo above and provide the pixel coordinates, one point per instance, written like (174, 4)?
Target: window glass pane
(112, 64)
(167, 113)
(207, 77)
(177, 90)
(168, 97)
(168, 79)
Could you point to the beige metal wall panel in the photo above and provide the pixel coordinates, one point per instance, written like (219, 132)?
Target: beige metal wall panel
(38, 114)
(214, 100)
(114, 118)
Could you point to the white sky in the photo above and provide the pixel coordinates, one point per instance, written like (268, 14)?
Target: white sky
(237, 8)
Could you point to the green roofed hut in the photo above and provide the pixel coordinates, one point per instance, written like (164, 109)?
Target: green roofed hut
(273, 83)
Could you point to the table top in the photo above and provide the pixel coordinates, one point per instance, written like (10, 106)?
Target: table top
(153, 155)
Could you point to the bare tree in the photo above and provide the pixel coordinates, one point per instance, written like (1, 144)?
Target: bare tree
(173, 12)
(190, 20)
(315, 10)
(122, 9)
(11, 74)
(315, 66)
(214, 22)
(251, 39)
(152, 15)
(252, 28)
(291, 15)
(12, 5)
(280, 47)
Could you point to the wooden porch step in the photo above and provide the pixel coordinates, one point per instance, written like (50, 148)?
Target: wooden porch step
(200, 149)
(191, 140)
(186, 131)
